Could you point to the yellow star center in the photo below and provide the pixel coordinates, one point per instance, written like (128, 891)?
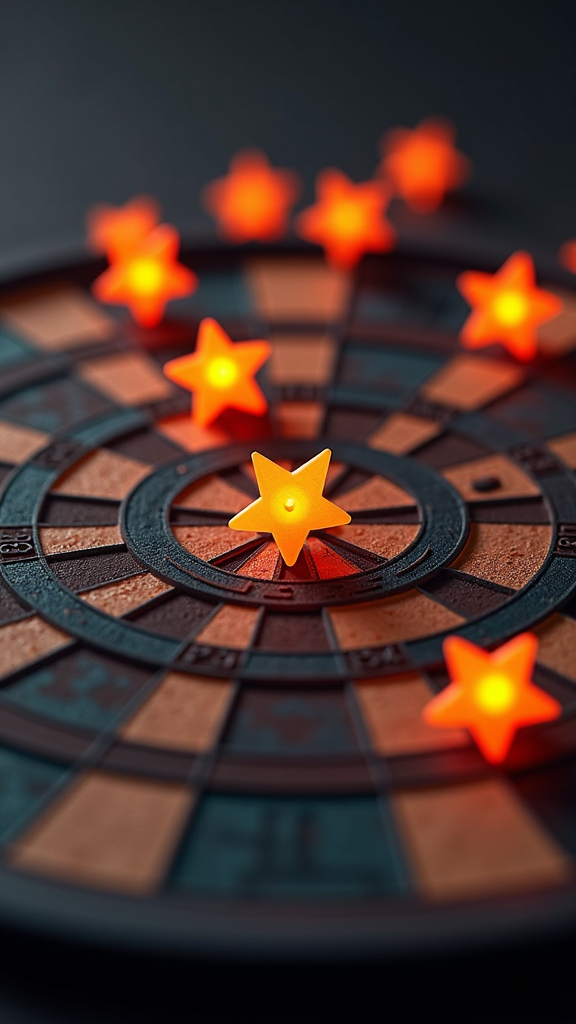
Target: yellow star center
(495, 693)
(145, 276)
(222, 373)
(510, 308)
(290, 504)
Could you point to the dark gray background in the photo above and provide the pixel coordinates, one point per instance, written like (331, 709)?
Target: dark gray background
(102, 100)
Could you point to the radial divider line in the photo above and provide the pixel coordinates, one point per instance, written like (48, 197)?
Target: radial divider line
(239, 554)
(355, 555)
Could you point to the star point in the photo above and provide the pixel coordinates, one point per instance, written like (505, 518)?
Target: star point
(507, 307)
(148, 278)
(253, 201)
(291, 504)
(423, 164)
(347, 219)
(220, 373)
(491, 694)
(118, 231)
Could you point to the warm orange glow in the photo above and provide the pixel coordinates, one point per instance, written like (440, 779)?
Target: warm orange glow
(348, 219)
(506, 306)
(491, 695)
(567, 255)
(290, 504)
(422, 164)
(148, 279)
(118, 231)
(253, 200)
(220, 374)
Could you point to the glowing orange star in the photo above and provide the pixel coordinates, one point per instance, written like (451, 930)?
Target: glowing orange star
(290, 504)
(491, 695)
(118, 231)
(567, 255)
(507, 306)
(148, 279)
(348, 219)
(252, 201)
(422, 164)
(220, 373)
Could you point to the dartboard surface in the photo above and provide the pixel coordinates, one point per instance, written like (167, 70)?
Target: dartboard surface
(201, 748)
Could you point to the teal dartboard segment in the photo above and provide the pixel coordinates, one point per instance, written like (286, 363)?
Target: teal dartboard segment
(24, 781)
(12, 350)
(388, 371)
(81, 688)
(289, 847)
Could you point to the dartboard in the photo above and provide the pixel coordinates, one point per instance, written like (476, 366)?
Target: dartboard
(202, 748)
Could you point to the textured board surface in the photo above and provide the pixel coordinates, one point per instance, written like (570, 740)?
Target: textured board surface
(201, 747)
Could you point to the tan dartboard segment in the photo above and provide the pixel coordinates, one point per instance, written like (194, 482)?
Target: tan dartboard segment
(506, 553)
(565, 448)
(189, 436)
(210, 542)
(384, 539)
(102, 474)
(477, 839)
(60, 539)
(20, 443)
(513, 481)
(392, 709)
(301, 359)
(557, 644)
(468, 382)
(402, 433)
(300, 419)
(390, 620)
(184, 713)
(377, 492)
(559, 335)
(129, 378)
(108, 831)
(56, 317)
(124, 596)
(213, 493)
(263, 564)
(232, 626)
(23, 642)
(303, 289)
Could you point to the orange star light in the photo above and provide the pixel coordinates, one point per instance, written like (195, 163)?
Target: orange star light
(567, 255)
(290, 504)
(348, 219)
(148, 279)
(423, 164)
(119, 230)
(507, 306)
(491, 695)
(220, 373)
(253, 200)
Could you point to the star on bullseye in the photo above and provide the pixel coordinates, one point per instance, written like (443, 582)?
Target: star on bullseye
(290, 504)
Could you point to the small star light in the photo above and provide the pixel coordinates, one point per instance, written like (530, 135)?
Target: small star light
(567, 255)
(422, 164)
(253, 201)
(348, 219)
(220, 373)
(147, 278)
(290, 504)
(117, 231)
(491, 695)
(506, 306)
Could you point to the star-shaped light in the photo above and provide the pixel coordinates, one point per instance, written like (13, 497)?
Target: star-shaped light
(348, 219)
(506, 306)
(118, 231)
(422, 164)
(491, 695)
(147, 279)
(253, 200)
(220, 373)
(290, 504)
(567, 255)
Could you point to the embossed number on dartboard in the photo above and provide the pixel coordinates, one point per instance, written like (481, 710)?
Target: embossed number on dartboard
(16, 544)
(566, 540)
